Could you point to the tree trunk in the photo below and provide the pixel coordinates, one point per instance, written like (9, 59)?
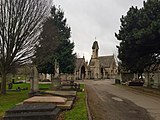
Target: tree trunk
(3, 84)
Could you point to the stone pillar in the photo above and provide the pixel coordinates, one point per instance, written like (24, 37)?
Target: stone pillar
(159, 80)
(79, 74)
(34, 81)
(48, 77)
(86, 77)
(119, 76)
(147, 81)
(56, 67)
(135, 76)
(56, 79)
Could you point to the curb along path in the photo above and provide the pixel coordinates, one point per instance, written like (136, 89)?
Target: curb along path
(88, 109)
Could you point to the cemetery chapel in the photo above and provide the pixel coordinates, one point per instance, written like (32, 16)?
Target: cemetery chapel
(99, 67)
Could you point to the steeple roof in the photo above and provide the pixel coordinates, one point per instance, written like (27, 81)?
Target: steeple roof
(95, 45)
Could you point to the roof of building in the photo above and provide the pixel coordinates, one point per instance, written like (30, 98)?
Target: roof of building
(95, 45)
(79, 62)
(106, 61)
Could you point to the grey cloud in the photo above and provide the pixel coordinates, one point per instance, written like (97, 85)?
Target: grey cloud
(95, 18)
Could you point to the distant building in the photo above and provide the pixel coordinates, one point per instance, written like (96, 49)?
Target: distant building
(99, 67)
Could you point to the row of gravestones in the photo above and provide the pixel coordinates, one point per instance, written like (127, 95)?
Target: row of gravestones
(35, 111)
(39, 111)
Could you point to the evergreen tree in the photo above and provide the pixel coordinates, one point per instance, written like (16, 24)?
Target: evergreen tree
(45, 51)
(139, 35)
(54, 44)
(66, 57)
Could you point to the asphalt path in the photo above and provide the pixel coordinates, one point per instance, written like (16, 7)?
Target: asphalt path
(110, 102)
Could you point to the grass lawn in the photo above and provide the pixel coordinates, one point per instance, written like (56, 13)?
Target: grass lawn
(12, 98)
(79, 110)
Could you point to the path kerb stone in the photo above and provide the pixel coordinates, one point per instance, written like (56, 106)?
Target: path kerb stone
(61, 102)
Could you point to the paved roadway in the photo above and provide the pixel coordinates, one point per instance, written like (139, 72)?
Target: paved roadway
(110, 102)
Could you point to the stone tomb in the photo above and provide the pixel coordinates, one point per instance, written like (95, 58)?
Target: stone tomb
(63, 93)
(61, 102)
(35, 111)
(69, 85)
(70, 95)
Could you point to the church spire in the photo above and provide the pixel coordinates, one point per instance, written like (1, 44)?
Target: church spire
(95, 45)
(95, 49)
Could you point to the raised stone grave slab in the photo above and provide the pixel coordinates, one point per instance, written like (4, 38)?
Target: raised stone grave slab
(33, 112)
(69, 88)
(46, 99)
(66, 88)
(36, 107)
(66, 106)
(63, 93)
(61, 102)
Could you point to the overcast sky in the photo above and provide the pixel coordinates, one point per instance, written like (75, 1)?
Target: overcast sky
(95, 18)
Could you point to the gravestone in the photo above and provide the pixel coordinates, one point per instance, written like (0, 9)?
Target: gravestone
(34, 81)
(69, 85)
(56, 80)
(56, 69)
(13, 81)
(10, 85)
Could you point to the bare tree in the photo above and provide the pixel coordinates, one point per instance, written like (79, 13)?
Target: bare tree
(20, 25)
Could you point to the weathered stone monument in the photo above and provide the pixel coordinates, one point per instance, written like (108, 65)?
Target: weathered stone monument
(56, 80)
(34, 81)
(135, 78)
